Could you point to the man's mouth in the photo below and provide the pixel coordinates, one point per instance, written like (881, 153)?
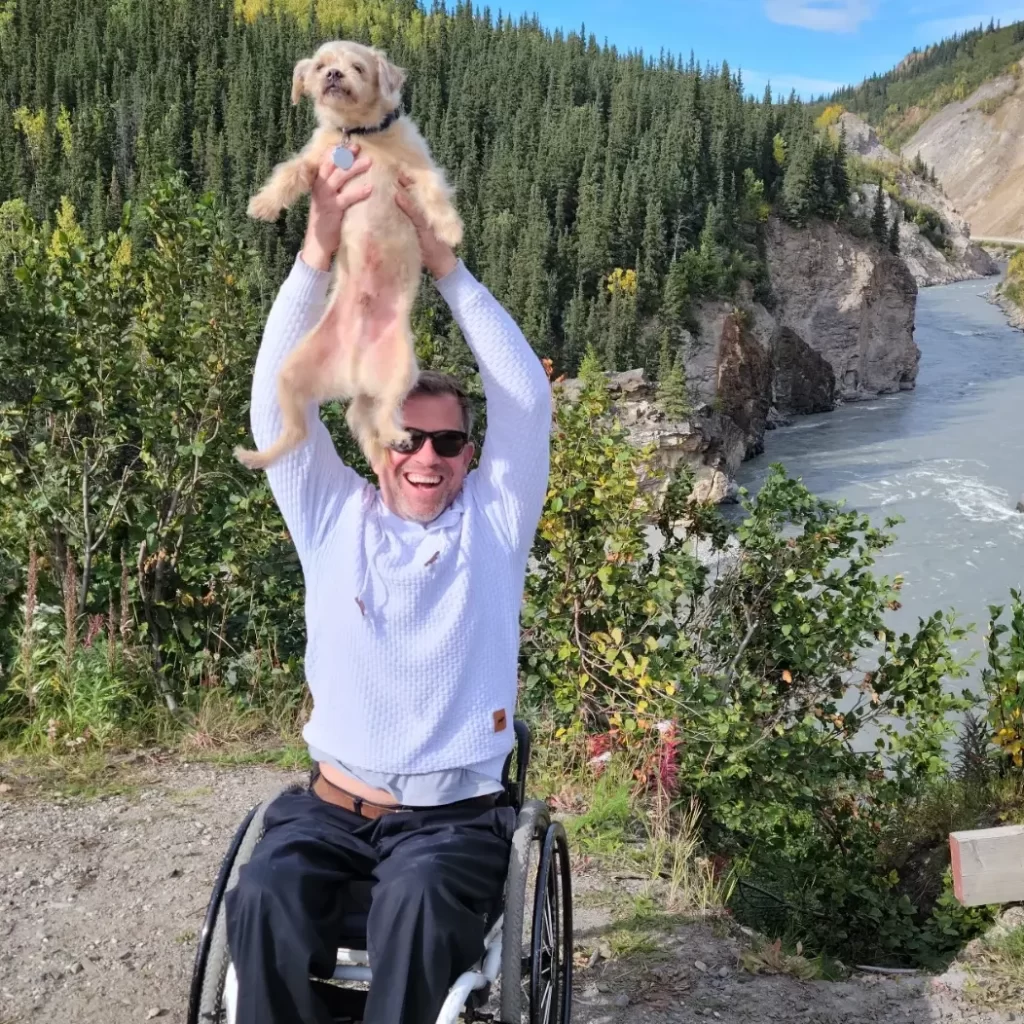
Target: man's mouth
(423, 481)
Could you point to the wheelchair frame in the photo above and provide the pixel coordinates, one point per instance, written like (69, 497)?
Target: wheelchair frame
(546, 965)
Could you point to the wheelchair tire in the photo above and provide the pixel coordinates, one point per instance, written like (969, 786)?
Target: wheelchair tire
(531, 826)
(212, 957)
(551, 943)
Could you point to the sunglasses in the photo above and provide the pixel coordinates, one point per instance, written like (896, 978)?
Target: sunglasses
(447, 443)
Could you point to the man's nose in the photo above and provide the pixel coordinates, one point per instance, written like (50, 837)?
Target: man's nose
(427, 453)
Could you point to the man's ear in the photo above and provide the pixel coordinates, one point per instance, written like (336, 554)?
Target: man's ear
(299, 80)
(390, 79)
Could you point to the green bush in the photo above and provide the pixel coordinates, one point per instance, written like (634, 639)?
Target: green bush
(127, 363)
(928, 220)
(1003, 679)
(734, 692)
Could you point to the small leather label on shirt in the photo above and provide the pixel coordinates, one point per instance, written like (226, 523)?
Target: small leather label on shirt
(500, 722)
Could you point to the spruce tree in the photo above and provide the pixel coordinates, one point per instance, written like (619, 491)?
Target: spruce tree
(894, 237)
(673, 394)
(840, 176)
(797, 182)
(665, 358)
(879, 224)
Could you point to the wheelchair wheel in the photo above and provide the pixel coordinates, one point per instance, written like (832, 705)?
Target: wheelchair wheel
(539, 969)
(551, 944)
(209, 973)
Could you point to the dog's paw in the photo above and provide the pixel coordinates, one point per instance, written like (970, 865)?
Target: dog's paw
(449, 230)
(250, 459)
(391, 435)
(263, 206)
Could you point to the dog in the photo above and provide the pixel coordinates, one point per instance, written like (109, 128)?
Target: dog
(362, 349)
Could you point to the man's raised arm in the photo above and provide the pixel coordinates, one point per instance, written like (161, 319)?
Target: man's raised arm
(311, 482)
(513, 474)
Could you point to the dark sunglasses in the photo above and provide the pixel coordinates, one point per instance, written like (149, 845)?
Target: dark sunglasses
(447, 443)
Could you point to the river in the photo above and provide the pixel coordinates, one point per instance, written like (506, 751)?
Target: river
(947, 457)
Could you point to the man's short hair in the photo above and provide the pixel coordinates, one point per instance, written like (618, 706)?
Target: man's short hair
(431, 382)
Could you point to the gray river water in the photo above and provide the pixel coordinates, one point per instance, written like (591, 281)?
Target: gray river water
(948, 457)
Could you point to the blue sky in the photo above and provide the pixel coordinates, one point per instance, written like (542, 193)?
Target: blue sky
(809, 45)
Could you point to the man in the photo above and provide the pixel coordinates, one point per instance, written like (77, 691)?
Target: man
(412, 610)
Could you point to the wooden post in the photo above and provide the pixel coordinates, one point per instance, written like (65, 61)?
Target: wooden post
(988, 865)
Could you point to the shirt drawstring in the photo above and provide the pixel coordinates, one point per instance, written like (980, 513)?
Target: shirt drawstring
(363, 594)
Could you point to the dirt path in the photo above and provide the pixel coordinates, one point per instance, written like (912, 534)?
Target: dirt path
(101, 899)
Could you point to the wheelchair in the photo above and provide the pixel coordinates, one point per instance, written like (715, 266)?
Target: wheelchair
(528, 950)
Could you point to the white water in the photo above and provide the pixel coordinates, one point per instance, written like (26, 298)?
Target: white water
(948, 457)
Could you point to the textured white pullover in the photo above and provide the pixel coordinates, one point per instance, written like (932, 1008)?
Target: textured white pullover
(412, 629)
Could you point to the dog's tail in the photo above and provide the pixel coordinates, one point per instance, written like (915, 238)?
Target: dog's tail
(268, 456)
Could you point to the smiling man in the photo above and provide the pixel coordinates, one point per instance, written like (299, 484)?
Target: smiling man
(413, 594)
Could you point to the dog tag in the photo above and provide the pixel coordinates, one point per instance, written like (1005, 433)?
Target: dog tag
(343, 157)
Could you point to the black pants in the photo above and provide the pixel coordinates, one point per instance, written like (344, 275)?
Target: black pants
(436, 873)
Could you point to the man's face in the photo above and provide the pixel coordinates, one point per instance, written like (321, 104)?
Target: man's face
(419, 486)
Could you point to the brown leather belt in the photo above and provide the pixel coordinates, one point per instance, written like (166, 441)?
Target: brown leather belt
(333, 794)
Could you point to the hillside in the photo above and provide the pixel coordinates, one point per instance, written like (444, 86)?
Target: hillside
(958, 107)
(901, 100)
(977, 149)
(934, 237)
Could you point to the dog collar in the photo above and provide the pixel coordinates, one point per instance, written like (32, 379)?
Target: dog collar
(374, 129)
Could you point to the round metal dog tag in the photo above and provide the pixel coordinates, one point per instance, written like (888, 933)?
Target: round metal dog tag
(343, 157)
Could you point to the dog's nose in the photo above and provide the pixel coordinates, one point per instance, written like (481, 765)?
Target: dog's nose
(333, 75)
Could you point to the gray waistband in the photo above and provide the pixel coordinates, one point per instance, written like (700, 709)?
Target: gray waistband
(431, 789)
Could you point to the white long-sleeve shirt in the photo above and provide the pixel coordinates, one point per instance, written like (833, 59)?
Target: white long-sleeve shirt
(413, 629)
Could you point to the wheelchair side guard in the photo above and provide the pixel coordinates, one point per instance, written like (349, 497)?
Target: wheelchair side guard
(210, 969)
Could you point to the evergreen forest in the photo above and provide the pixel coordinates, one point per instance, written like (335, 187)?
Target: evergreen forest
(603, 192)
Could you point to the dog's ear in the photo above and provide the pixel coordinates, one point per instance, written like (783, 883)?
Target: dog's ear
(299, 80)
(390, 79)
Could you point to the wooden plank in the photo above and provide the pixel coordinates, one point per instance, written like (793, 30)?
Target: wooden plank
(988, 865)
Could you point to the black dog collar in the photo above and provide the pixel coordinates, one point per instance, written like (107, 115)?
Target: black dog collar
(374, 129)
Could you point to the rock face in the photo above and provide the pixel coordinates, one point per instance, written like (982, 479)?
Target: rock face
(841, 329)
(962, 260)
(851, 301)
(1014, 313)
(710, 443)
(804, 381)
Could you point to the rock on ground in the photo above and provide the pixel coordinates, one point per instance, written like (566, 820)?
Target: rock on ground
(101, 901)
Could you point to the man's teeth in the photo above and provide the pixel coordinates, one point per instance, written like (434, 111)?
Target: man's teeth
(424, 481)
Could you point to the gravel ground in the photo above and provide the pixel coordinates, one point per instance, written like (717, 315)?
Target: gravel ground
(101, 900)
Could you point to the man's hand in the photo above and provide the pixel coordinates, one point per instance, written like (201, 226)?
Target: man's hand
(329, 200)
(438, 258)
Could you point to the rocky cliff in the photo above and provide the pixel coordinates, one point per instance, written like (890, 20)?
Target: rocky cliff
(848, 300)
(841, 329)
(959, 259)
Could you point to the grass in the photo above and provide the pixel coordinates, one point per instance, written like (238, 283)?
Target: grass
(217, 729)
(997, 970)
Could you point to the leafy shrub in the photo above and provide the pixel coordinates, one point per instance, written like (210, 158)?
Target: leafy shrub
(1013, 286)
(1003, 679)
(928, 220)
(755, 694)
(127, 362)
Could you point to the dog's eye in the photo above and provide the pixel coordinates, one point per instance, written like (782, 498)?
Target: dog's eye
(320, 66)
(359, 69)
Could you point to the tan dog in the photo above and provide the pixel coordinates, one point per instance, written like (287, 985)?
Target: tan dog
(362, 349)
